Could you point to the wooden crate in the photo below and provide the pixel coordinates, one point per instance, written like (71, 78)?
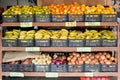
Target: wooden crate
(87, 2)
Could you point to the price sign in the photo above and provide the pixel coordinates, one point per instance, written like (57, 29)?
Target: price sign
(92, 23)
(31, 49)
(51, 75)
(70, 24)
(89, 74)
(84, 49)
(16, 74)
(26, 24)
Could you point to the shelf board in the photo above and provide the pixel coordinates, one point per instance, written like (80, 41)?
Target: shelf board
(51, 24)
(60, 49)
(66, 74)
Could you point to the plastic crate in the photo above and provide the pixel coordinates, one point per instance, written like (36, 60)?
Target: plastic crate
(25, 67)
(76, 42)
(75, 68)
(9, 67)
(109, 17)
(9, 42)
(109, 67)
(76, 17)
(109, 42)
(41, 68)
(26, 42)
(92, 42)
(59, 17)
(58, 68)
(26, 18)
(42, 18)
(42, 42)
(92, 17)
(92, 68)
(59, 42)
(10, 18)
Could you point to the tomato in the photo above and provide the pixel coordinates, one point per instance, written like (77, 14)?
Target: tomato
(88, 78)
(98, 78)
(82, 78)
(95, 78)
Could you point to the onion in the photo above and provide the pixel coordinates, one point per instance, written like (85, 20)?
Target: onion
(63, 57)
(92, 57)
(68, 58)
(97, 56)
(80, 62)
(102, 62)
(76, 62)
(87, 62)
(69, 63)
(108, 62)
(77, 55)
(74, 54)
(104, 53)
(83, 55)
(112, 58)
(108, 56)
(83, 59)
(103, 57)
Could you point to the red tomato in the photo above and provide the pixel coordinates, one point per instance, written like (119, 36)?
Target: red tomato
(103, 78)
(98, 78)
(88, 78)
(95, 78)
(82, 78)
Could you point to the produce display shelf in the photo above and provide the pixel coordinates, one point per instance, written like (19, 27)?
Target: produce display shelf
(66, 74)
(47, 24)
(60, 49)
(65, 49)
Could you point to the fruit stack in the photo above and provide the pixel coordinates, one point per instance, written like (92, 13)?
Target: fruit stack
(59, 12)
(61, 38)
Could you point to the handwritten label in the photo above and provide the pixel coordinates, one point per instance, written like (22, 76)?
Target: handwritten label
(30, 49)
(70, 24)
(16, 74)
(89, 74)
(26, 24)
(51, 75)
(84, 49)
(92, 23)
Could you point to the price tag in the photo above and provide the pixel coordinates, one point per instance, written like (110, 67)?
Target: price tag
(26, 24)
(51, 75)
(16, 74)
(70, 24)
(84, 49)
(92, 23)
(89, 74)
(30, 49)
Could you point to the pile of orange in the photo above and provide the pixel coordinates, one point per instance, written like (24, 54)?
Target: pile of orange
(77, 8)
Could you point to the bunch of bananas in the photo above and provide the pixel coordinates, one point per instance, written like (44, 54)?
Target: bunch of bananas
(27, 34)
(43, 34)
(60, 34)
(14, 34)
(106, 34)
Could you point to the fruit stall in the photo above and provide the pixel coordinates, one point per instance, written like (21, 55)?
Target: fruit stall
(57, 39)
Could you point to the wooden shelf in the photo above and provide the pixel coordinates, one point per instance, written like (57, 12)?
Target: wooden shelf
(66, 74)
(60, 49)
(46, 24)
